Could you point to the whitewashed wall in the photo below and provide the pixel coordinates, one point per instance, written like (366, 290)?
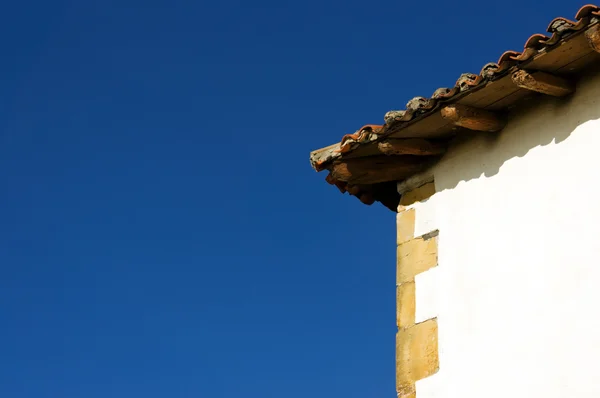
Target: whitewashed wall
(517, 289)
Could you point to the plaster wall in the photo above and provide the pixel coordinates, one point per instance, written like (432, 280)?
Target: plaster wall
(517, 288)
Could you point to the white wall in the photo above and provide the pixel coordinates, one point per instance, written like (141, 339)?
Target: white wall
(517, 289)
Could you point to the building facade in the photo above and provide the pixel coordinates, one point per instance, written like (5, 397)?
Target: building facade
(493, 183)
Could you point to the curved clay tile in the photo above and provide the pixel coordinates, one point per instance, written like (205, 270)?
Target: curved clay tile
(507, 60)
(393, 117)
(507, 56)
(420, 104)
(525, 55)
(559, 27)
(564, 25)
(532, 47)
(489, 70)
(587, 11)
(445, 93)
(536, 41)
(364, 134)
(468, 80)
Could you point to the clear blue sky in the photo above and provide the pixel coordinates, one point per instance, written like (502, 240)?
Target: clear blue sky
(161, 231)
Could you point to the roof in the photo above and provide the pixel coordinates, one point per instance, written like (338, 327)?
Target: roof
(368, 163)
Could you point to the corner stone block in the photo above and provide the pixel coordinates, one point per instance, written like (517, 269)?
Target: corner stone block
(408, 391)
(416, 354)
(415, 256)
(405, 225)
(405, 305)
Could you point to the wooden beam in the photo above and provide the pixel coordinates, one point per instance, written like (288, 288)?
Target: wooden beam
(543, 82)
(376, 169)
(411, 146)
(414, 182)
(593, 37)
(473, 118)
(367, 198)
(353, 189)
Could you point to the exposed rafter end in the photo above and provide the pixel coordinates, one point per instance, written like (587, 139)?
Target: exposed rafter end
(543, 82)
(410, 146)
(367, 198)
(593, 37)
(368, 194)
(376, 169)
(473, 118)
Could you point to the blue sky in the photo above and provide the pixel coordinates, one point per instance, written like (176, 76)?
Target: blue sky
(161, 231)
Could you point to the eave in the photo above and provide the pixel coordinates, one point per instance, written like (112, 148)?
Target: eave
(368, 163)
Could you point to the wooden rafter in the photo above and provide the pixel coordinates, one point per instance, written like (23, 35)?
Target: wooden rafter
(473, 118)
(593, 37)
(376, 169)
(410, 146)
(543, 82)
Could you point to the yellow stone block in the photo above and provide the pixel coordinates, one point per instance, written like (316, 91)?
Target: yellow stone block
(416, 353)
(405, 225)
(407, 391)
(405, 305)
(418, 194)
(415, 256)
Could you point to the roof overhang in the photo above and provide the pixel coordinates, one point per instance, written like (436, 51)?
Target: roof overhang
(370, 162)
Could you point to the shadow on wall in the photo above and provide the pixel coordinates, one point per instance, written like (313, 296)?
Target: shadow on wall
(540, 121)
